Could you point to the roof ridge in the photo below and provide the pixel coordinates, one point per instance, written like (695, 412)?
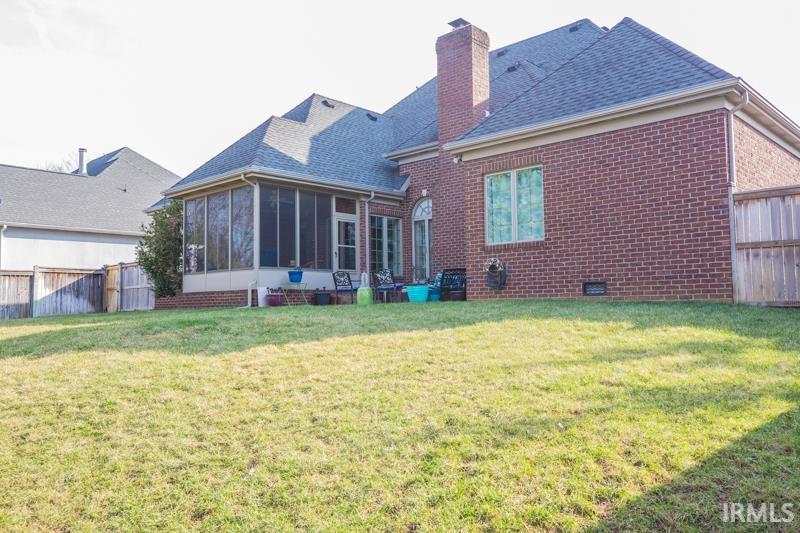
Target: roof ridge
(137, 167)
(22, 167)
(529, 89)
(595, 26)
(688, 56)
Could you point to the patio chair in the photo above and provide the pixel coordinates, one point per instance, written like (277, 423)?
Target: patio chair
(343, 284)
(385, 285)
(453, 279)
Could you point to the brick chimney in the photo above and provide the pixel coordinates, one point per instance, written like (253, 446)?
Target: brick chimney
(462, 79)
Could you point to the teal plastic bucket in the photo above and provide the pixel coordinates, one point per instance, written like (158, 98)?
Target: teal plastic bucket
(417, 293)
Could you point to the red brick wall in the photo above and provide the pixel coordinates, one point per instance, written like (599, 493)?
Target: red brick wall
(760, 162)
(462, 81)
(199, 300)
(444, 182)
(644, 208)
(209, 299)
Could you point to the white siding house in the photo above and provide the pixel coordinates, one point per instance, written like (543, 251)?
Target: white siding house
(85, 219)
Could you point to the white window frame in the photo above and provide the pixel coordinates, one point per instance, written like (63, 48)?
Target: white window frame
(385, 246)
(427, 220)
(514, 238)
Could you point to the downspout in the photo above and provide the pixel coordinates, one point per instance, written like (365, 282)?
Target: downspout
(2, 237)
(366, 231)
(253, 283)
(745, 98)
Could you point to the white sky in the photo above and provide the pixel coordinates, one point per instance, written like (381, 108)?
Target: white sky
(178, 81)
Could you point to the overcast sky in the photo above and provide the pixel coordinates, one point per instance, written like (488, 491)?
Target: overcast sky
(178, 81)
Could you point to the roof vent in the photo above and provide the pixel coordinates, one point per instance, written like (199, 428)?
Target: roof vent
(574, 28)
(328, 104)
(372, 117)
(501, 53)
(512, 68)
(604, 28)
(82, 162)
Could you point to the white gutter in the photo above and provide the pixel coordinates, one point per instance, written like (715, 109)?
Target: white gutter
(745, 99)
(68, 228)
(638, 106)
(280, 176)
(414, 150)
(366, 230)
(2, 236)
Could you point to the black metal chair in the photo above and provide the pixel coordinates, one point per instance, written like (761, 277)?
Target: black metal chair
(342, 283)
(453, 280)
(385, 285)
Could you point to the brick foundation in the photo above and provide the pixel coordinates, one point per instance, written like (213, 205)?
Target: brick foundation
(211, 299)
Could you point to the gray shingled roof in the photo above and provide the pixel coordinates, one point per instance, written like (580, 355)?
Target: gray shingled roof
(322, 138)
(628, 63)
(567, 71)
(534, 58)
(111, 198)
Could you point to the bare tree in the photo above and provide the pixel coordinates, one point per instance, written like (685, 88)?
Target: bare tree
(68, 163)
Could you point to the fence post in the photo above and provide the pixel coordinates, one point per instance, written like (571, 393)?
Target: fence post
(35, 292)
(119, 288)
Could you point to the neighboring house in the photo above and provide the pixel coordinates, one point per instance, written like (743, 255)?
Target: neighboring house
(579, 154)
(85, 219)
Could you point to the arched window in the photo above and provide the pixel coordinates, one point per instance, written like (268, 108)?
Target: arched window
(422, 237)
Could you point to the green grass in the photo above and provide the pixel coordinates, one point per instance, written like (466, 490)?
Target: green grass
(495, 415)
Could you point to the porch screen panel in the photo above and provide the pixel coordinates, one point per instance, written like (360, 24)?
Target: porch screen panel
(308, 229)
(324, 250)
(287, 225)
(194, 236)
(499, 226)
(242, 228)
(268, 225)
(530, 205)
(217, 251)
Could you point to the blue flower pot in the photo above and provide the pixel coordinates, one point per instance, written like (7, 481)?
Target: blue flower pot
(295, 276)
(417, 293)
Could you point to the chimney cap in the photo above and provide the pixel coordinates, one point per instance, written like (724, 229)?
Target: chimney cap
(458, 23)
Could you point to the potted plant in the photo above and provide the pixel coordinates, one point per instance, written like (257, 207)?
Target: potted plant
(295, 274)
(274, 298)
(496, 273)
(322, 297)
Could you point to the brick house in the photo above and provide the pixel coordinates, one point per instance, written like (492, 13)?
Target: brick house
(579, 155)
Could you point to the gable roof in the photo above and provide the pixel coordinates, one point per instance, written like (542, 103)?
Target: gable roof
(571, 70)
(512, 70)
(628, 63)
(340, 145)
(321, 138)
(110, 199)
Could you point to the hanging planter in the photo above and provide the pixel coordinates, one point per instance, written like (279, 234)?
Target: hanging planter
(496, 273)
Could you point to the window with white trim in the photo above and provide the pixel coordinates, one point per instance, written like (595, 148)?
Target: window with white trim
(422, 236)
(384, 244)
(514, 206)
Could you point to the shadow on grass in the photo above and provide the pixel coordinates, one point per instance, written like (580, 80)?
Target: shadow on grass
(761, 467)
(213, 332)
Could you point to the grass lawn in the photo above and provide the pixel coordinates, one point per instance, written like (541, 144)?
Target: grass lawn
(493, 415)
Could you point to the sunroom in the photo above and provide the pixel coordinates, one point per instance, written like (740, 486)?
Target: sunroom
(251, 232)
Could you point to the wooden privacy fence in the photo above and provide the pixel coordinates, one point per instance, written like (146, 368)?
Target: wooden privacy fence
(64, 291)
(128, 289)
(768, 246)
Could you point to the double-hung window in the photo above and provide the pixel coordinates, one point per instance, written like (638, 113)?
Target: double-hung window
(384, 244)
(514, 206)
